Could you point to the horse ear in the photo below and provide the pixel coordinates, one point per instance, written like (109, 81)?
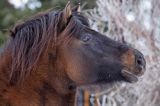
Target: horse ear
(67, 12)
(77, 8)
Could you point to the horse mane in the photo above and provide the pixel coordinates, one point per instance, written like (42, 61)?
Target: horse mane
(30, 40)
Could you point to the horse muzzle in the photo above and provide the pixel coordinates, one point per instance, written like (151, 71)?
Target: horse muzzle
(134, 65)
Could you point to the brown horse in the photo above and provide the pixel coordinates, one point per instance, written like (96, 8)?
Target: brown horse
(51, 54)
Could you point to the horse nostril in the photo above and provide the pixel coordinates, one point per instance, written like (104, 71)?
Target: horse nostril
(140, 65)
(140, 61)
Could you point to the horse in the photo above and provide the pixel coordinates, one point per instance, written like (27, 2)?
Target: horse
(49, 55)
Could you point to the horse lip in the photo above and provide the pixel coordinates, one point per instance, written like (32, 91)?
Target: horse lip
(129, 76)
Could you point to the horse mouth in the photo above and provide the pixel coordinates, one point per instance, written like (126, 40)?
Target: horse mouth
(130, 77)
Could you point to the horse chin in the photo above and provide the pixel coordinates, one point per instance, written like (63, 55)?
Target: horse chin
(130, 77)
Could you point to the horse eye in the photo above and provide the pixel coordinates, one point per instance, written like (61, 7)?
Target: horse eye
(86, 38)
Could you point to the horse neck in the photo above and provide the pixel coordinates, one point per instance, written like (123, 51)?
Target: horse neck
(41, 87)
(50, 83)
